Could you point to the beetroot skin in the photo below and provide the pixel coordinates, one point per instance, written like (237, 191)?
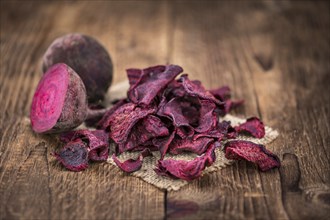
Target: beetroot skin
(87, 57)
(59, 103)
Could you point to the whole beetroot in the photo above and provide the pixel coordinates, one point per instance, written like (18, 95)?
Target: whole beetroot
(60, 102)
(87, 57)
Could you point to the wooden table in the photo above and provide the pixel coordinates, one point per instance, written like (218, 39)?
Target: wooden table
(273, 54)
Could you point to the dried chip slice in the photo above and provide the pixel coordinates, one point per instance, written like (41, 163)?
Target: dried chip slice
(252, 126)
(249, 151)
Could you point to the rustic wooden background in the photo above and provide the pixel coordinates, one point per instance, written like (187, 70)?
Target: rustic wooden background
(273, 54)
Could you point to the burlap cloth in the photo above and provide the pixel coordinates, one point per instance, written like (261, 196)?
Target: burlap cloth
(147, 172)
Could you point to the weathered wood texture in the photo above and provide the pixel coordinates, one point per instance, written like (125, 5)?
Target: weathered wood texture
(273, 54)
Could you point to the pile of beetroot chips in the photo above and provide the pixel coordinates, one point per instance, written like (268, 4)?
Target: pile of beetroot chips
(173, 116)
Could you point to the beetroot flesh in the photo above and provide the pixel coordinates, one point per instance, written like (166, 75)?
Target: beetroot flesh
(255, 153)
(59, 103)
(87, 57)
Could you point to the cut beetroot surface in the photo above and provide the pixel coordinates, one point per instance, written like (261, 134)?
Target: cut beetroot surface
(49, 98)
(60, 102)
(255, 153)
(252, 126)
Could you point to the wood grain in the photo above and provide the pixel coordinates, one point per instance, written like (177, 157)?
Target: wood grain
(273, 54)
(33, 185)
(268, 59)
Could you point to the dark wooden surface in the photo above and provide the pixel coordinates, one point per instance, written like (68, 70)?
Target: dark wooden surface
(273, 54)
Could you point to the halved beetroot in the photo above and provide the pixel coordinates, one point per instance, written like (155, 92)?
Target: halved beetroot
(59, 103)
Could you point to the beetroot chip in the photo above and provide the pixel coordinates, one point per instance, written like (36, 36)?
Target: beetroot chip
(249, 151)
(173, 110)
(104, 122)
(195, 88)
(174, 89)
(186, 170)
(222, 93)
(132, 165)
(133, 75)
(163, 144)
(222, 130)
(97, 142)
(151, 82)
(230, 105)
(208, 119)
(185, 131)
(99, 154)
(198, 146)
(252, 126)
(154, 126)
(74, 155)
(124, 118)
(95, 138)
(146, 129)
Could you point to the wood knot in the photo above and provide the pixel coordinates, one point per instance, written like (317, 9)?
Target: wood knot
(265, 61)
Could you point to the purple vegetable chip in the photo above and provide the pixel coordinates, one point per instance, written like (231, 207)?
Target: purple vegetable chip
(185, 131)
(151, 82)
(222, 93)
(208, 118)
(174, 89)
(132, 165)
(230, 105)
(255, 153)
(221, 131)
(97, 142)
(186, 170)
(124, 118)
(146, 129)
(104, 122)
(74, 155)
(252, 126)
(195, 88)
(163, 144)
(198, 146)
(133, 75)
(182, 111)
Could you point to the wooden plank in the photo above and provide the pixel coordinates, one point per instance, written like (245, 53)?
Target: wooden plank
(252, 47)
(32, 184)
(299, 32)
(273, 54)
